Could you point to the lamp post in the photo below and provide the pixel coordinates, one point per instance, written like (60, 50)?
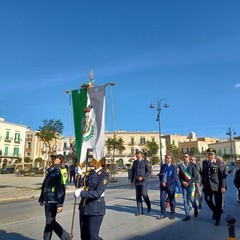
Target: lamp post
(229, 133)
(158, 119)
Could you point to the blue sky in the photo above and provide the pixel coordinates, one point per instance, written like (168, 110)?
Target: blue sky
(186, 52)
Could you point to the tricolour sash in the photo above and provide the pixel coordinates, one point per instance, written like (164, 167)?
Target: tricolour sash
(187, 176)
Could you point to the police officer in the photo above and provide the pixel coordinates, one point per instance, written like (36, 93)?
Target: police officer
(140, 173)
(214, 184)
(52, 197)
(92, 203)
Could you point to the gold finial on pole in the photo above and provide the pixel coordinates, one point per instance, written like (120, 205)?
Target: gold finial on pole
(91, 75)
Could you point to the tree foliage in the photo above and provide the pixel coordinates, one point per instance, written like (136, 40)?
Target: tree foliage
(152, 148)
(174, 151)
(49, 132)
(114, 144)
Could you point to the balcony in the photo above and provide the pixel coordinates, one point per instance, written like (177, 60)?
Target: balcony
(10, 155)
(17, 140)
(8, 139)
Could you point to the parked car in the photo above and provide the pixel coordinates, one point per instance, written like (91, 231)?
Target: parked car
(7, 170)
(31, 172)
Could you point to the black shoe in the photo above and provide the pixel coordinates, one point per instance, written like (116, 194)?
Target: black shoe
(195, 212)
(161, 217)
(139, 214)
(172, 216)
(217, 223)
(149, 209)
(187, 218)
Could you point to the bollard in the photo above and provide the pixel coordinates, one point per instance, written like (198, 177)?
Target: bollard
(231, 231)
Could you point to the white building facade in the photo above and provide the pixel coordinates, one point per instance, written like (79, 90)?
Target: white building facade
(12, 142)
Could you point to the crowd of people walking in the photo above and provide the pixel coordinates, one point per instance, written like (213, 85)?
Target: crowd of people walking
(198, 181)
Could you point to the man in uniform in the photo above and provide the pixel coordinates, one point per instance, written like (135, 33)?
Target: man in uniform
(92, 203)
(214, 184)
(53, 195)
(140, 173)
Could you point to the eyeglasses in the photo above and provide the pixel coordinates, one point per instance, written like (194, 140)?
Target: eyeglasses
(185, 156)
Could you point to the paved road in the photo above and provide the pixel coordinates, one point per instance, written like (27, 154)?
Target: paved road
(24, 220)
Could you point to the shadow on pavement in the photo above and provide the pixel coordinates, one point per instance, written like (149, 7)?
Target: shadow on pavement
(12, 236)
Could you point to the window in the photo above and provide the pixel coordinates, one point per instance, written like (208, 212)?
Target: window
(6, 151)
(65, 145)
(15, 151)
(7, 134)
(132, 151)
(132, 140)
(28, 145)
(153, 139)
(17, 137)
(142, 140)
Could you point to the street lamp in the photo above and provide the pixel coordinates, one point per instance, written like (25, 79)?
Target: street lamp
(158, 119)
(229, 133)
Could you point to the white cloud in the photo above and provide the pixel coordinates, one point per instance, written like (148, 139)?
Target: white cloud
(237, 85)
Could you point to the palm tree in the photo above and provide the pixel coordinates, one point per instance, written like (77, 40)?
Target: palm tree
(114, 144)
(49, 132)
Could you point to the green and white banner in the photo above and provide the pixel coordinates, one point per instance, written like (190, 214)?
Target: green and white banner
(89, 121)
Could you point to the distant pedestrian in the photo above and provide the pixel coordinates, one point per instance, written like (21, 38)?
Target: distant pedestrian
(167, 179)
(187, 176)
(52, 197)
(198, 195)
(72, 173)
(236, 180)
(214, 184)
(225, 171)
(140, 172)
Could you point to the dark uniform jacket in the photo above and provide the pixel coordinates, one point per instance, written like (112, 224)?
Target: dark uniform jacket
(54, 186)
(236, 179)
(213, 176)
(92, 199)
(140, 168)
(191, 169)
(168, 174)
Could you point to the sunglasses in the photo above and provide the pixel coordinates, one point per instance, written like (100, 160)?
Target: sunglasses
(185, 156)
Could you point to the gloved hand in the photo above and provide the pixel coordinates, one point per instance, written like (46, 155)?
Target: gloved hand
(77, 192)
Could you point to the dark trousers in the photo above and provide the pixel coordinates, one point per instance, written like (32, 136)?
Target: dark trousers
(52, 225)
(142, 191)
(217, 206)
(163, 197)
(90, 226)
(72, 177)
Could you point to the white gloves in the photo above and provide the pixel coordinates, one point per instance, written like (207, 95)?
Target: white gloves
(77, 192)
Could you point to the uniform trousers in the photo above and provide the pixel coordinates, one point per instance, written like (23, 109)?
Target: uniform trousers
(217, 207)
(90, 226)
(142, 191)
(52, 225)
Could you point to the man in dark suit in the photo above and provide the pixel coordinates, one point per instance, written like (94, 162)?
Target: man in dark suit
(187, 176)
(140, 173)
(168, 179)
(214, 184)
